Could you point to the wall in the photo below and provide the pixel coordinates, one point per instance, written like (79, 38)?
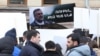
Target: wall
(81, 3)
(95, 3)
(3, 3)
(34, 3)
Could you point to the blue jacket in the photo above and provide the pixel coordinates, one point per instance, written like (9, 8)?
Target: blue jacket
(16, 51)
(93, 52)
(79, 51)
(31, 49)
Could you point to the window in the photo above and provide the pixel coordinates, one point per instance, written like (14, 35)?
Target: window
(17, 2)
(51, 2)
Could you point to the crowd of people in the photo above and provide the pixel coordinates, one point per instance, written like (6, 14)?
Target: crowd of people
(78, 44)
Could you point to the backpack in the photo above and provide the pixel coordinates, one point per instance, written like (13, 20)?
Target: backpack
(16, 51)
(93, 53)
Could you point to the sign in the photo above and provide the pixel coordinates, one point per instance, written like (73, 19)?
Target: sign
(51, 14)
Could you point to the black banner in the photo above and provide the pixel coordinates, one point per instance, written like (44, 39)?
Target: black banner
(62, 13)
(51, 15)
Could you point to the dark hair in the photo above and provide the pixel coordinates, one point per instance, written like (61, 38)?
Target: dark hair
(31, 33)
(36, 11)
(75, 37)
(79, 30)
(50, 45)
(95, 45)
(59, 49)
(84, 40)
(25, 33)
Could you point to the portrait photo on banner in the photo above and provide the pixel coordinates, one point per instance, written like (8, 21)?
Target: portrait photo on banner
(51, 17)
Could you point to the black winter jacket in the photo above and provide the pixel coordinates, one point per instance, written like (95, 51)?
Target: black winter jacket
(31, 49)
(8, 42)
(50, 53)
(6, 46)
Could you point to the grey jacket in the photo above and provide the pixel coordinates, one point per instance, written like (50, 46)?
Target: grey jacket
(83, 50)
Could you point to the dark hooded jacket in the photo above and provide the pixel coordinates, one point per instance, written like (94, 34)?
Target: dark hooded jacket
(7, 43)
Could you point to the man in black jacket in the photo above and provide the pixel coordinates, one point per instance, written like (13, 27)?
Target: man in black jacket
(32, 47)
(50, 49)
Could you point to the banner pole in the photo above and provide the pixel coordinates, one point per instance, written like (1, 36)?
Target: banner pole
(98, 36)
(87, 3)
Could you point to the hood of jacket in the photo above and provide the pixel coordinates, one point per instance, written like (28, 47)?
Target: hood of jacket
(84, 49)
(11, 33)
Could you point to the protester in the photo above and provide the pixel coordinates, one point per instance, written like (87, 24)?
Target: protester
(23, 39)
(32, 47)
(74, 47)
(8, 42)
(59, 49)
(50, 49)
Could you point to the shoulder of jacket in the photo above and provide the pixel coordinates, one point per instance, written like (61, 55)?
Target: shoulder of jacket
(75, 52)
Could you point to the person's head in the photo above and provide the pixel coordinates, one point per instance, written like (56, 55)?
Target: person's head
(33, 36)
(11, 33)
(79, 30)
(85, 40)
(38, 14)
(25, 35)
(93, 44)
(50, 45)
(58, 47)
(73, 40)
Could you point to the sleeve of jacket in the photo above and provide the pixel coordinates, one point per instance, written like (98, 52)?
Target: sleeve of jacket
(1, 45)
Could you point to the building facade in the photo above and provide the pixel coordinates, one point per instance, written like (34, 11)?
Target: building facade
(23, 6)
(30, 3)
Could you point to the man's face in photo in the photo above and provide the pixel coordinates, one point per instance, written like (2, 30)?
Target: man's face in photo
(38, 15)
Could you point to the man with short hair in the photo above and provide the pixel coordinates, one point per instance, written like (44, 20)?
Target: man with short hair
(32, 47)
(50, 49)
(74, 47)
(25, 37)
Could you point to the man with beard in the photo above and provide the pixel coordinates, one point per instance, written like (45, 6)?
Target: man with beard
(39, 19)
(74, 47)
